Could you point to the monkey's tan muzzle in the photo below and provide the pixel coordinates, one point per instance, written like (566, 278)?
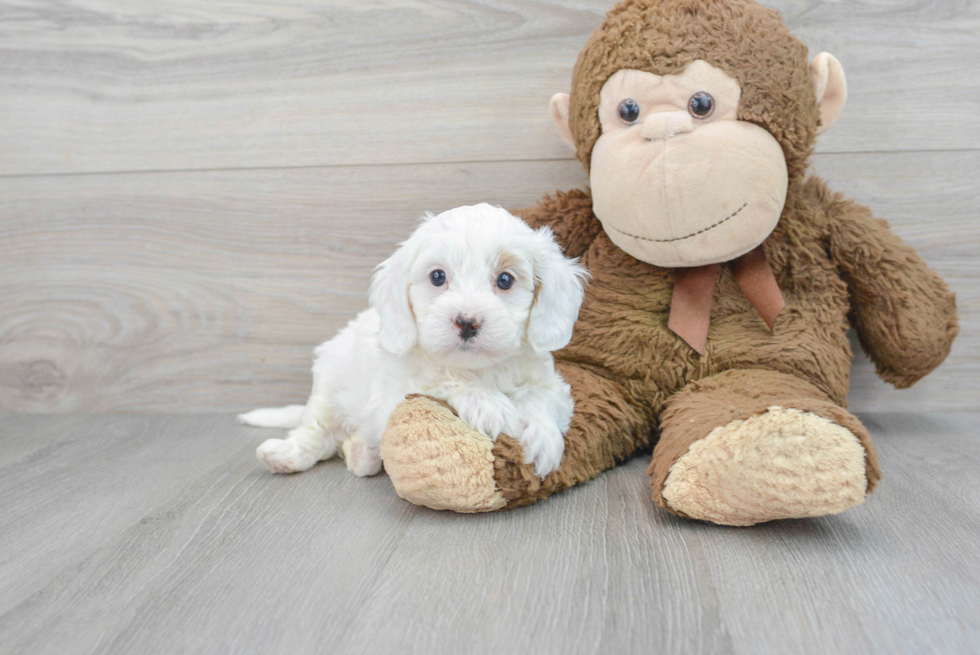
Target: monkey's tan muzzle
(666, 124)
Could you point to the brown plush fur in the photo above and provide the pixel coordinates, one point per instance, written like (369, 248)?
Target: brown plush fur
(633, 380)
(831, 258)
(734, 395)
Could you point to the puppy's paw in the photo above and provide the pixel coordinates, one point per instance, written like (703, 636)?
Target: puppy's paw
(284, 456)
(488, 414)
(543, 446)
(362, 460)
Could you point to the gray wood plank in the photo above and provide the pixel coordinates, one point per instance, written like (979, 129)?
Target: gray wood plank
(233, 559)
(603, 571)
(895, 575)
(264, 542)
(596, 570)
(107, 86)
(87, 479)
(196, 292)
(107, 280)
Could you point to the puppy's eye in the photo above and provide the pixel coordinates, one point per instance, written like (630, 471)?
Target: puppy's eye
(437, 278)
(629, 111)
(701, 104)
(505, 281)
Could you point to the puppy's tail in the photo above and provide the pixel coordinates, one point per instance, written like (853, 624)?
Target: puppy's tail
(274, 417)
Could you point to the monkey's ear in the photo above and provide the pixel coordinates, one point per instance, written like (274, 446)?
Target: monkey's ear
(559, 114)
(831, 88)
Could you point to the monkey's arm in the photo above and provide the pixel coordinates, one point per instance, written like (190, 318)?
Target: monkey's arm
(904, 313)
(569, 215)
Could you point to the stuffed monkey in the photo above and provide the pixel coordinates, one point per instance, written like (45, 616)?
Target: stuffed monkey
(724, 281)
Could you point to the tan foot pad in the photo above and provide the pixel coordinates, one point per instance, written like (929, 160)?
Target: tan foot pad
(782, 464)
(436, 460)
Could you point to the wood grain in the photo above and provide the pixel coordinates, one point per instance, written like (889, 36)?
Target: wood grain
(186, 290)
(100, 85)
(99, 475)
(197, 292)
(201, 550)
(204, 289)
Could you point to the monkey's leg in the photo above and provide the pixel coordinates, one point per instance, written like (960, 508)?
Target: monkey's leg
(745, 447)
(437, 460)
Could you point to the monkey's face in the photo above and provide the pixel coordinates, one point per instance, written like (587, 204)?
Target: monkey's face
(677, 179)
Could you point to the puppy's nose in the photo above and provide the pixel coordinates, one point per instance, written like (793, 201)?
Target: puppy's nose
(467, 327)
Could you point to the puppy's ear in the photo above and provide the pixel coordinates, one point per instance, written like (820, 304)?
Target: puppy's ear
(559, 286)
(389, 297)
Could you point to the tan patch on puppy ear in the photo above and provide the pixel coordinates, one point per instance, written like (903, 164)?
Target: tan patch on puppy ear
(509, 262)
(830, 86)
(534, 302)
(560, 103)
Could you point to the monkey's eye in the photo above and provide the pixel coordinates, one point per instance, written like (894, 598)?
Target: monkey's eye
(437, 278)
(629, 111)
(505, 281)
(701, 104)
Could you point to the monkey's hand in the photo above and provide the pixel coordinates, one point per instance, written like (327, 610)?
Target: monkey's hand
(569, 215)
(904, 313)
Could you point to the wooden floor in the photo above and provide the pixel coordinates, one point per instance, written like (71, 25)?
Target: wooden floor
(162, 534)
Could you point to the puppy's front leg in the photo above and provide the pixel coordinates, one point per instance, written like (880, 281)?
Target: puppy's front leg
(545, 414)
(363, 459)
(487, 410)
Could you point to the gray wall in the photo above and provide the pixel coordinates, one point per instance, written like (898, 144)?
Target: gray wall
(192, 197)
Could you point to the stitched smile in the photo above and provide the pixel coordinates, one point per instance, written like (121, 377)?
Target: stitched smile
(692, 234)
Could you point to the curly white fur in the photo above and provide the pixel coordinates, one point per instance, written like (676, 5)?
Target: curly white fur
(499, 376)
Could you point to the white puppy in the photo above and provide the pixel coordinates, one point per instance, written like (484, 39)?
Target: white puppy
(467, 310)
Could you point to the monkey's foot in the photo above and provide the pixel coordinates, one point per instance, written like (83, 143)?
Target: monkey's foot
(435, 459)
(783, 463)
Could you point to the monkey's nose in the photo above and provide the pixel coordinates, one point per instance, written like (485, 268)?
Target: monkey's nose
(666, 124)
(467, 327)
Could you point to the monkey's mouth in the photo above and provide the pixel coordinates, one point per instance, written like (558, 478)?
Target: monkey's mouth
(686, 236)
